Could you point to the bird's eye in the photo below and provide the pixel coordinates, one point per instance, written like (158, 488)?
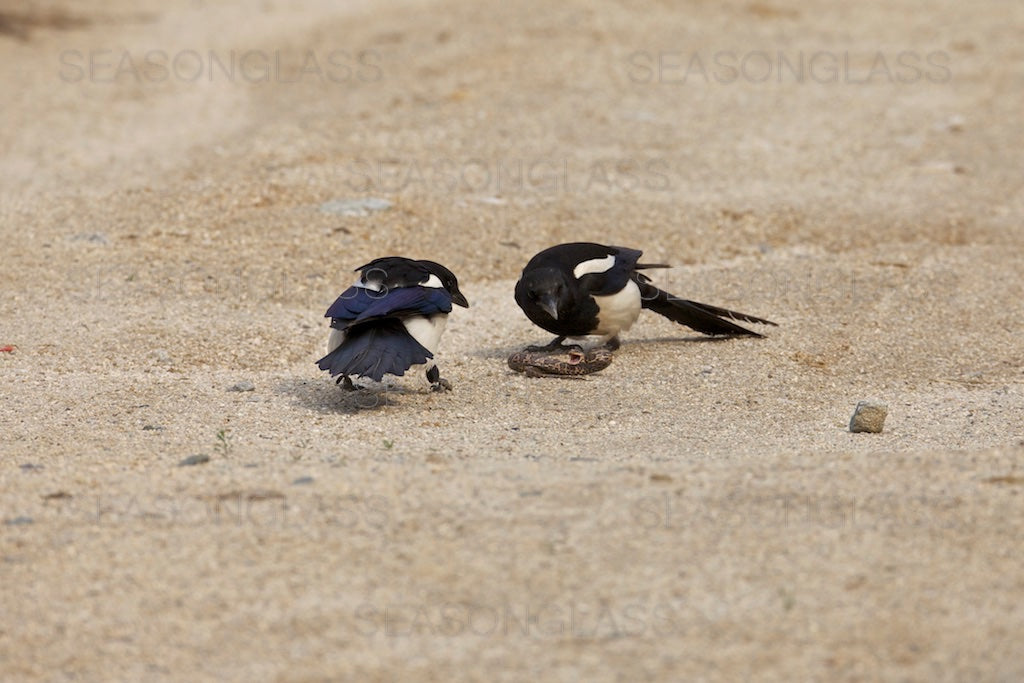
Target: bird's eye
(532, 294)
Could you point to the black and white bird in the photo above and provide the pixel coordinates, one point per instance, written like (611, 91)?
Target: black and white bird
(582, 289)
(390, 320)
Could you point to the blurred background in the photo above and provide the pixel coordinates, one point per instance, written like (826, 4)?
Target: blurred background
(703, 129)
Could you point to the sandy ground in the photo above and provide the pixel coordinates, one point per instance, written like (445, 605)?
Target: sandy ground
(698, 511)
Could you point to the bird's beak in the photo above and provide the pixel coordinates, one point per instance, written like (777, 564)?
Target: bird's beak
(458, 298)
(550, 305)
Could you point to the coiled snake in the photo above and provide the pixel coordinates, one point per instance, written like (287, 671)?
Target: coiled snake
(570, 361)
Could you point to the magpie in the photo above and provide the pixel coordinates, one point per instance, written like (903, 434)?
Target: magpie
(581, 289)
(390, 320)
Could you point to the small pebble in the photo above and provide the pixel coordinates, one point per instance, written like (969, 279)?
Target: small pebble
(494, 201)
(19, 521)
(940, 167)
(301, 481)
(869, 416)
(954, 124)
(91, 237)
(244, 385)
(197, 459)
(355, 207)
(160, 356)
(152, 428)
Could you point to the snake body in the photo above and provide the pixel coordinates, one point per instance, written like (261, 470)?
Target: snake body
(568, 362)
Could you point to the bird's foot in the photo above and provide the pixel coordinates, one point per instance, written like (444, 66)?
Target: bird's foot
(346, 383)
(613, 344)
(437, 382)
(555, 345)
(441, 385)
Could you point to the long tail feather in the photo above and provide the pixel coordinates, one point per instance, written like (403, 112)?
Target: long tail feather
(704, 318)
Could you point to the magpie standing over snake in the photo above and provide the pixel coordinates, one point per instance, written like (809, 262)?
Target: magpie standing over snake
(582, 289)
(390, 320)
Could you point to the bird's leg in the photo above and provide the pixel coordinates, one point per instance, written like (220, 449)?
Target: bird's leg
(555, 345)
(437, 382)
(613, 343)
(346, 383)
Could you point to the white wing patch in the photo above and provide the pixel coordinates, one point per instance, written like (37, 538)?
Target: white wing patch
(432, 281)
(596, 265)
(372, 285)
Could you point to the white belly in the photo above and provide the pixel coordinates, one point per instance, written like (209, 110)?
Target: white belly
(334, 341)
(618, 311)
(427, 331)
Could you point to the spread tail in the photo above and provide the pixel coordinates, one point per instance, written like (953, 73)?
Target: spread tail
(375, 349)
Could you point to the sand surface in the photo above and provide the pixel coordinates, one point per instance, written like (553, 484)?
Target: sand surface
(698, 511)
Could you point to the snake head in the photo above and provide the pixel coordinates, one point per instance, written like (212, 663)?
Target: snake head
(576, 357)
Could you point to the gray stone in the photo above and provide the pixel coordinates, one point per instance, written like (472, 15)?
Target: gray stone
(91, 237)
(160, 356)
(197, 459)
(355, 207)
(869, 416)
(244, 385)
(19, 521)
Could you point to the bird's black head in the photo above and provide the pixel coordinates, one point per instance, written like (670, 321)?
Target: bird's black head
(448, 281)
(545, 289)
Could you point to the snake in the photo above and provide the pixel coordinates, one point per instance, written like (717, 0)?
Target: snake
(570, 361)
